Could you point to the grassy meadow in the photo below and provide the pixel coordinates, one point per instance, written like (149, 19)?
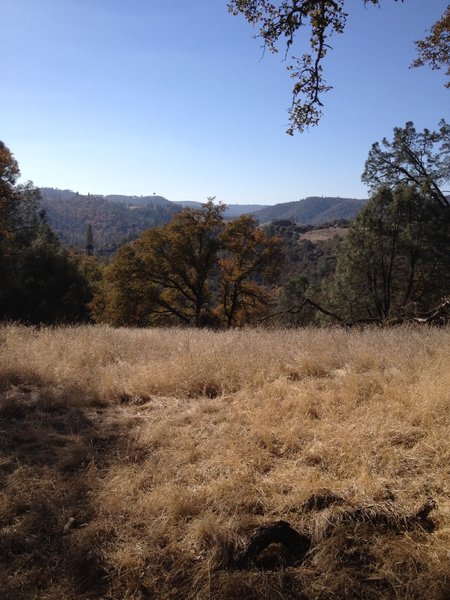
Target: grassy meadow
(138, 464)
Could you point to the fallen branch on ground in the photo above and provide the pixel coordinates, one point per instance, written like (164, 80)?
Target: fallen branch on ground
(440, 313)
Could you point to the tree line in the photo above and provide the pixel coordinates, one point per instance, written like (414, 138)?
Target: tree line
(203, 270)
(41, 282)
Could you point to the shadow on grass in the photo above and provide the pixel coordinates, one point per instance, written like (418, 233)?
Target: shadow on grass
(53, 443)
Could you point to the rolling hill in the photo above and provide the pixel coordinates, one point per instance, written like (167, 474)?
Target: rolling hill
(116, 219)
(314, 210)
(113, 221)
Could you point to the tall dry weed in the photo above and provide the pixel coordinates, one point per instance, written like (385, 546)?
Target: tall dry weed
(169, 447)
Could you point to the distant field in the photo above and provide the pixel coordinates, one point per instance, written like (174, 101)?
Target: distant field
(138, 464)
(321, 235)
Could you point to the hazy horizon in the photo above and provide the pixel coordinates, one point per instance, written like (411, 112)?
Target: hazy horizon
(176, 99)
(181, 200)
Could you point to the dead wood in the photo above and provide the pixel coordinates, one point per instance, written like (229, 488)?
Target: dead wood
(297, 309)
(279, 545)
(294, 546)
(438, 315)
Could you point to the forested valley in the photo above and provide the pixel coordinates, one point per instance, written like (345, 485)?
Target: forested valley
(156, 263)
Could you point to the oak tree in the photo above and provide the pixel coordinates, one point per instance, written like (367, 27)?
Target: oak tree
(250, 257)
(124, 297)
(196, 270)
(434, 50)
(168, 270)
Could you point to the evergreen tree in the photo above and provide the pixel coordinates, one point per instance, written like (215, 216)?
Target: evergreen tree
(89, 241)
(39, 282)
(418, 159)
(394, 256)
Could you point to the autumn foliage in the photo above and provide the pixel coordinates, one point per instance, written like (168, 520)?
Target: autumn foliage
(196, 270)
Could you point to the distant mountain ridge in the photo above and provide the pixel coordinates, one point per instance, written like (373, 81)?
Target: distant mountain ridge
(116, 219)
(314, 210)
(232, 210)
(58, 194)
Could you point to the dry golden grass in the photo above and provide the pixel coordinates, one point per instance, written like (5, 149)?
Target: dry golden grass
(322, 235)
(136, 464)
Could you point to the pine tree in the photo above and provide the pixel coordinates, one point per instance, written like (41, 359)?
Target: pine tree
(89, 241)
(395, 254)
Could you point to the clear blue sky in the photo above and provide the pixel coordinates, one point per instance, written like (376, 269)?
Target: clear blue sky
(171, 97)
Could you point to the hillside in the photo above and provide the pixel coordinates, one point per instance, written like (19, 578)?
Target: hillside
(145, 464)
(57, 194)
(310, 254)
(117, 219)
(114, 222)
(313, 210)
(139, 200)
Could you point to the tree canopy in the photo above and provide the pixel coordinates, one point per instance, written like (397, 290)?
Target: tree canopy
(246, 251)
(434, 50)
(196, 270)
(280, 21)
(40, 283)
(395, 256)
(415, 158)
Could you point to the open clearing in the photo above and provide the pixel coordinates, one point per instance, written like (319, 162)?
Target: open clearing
(323, 235)
(138, 464)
